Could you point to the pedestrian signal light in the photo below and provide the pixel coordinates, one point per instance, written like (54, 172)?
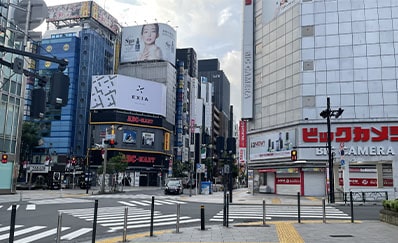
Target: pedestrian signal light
(73, 160)
(293, 155)
(4, 158)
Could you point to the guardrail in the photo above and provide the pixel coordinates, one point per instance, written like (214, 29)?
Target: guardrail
(365, 196)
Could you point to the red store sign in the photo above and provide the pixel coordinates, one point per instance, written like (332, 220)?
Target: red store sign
(352, 134)
(366, 182)
(288, 181)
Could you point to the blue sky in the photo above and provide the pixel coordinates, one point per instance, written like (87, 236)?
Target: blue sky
(212, 27)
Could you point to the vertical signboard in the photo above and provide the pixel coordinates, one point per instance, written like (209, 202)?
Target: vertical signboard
(247, 61)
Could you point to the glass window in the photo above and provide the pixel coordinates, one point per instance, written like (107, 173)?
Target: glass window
(358, 26)
(372, 37)
(332, 40)
(332, 29)
(387, 49)
(373, 49)
(386, 36)
(374, 74)
(345, 28)
(371, 13)
(333, 64)
(359, 50)
(332, 52)
(346, 51)
(346, 75)
(374, 61)
(388, 61)
(385, 24)
(372, 25)
(344, 16)
(384, 13)
(358, 15)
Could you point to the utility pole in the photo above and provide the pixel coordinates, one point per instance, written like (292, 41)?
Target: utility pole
(327, 114)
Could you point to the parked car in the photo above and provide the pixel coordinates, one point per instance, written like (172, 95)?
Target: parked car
(174, 187)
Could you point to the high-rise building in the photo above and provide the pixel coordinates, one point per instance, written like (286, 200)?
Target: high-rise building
(88, 39)
(295, 55)
(135, 109)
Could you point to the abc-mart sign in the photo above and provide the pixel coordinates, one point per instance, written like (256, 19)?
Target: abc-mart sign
(358, 140)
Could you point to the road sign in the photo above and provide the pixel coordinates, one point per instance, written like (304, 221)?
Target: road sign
(342, 162)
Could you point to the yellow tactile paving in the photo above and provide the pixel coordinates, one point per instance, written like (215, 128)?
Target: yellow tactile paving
(276, 200)
(287, 233)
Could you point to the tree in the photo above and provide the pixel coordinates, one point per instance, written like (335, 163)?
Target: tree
(117, 164)
(29, 139)
(180, 168)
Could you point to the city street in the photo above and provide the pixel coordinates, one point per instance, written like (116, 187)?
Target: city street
(37, 219)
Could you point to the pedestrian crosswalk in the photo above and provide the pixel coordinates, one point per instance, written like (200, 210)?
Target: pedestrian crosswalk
(26, 234)
(255, 212)
(113, 217)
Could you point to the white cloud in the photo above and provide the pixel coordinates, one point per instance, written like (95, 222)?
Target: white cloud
(212, 28)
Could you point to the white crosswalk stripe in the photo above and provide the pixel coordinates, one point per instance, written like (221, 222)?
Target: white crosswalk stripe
(159, 202)
(60, 201)
(113, 217)
(26, 234)
(255, 212)
(27, 207)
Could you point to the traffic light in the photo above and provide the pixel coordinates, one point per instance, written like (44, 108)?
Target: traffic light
(4, 158)
(59, 89)
(38, 107)
(293, 155)
(73, 160)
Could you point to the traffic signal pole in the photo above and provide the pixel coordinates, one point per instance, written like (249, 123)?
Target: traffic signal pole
(104, 170)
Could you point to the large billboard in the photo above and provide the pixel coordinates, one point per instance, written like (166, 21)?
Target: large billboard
(272, 9)
(128, 93)
(148, 42)
(83, 10)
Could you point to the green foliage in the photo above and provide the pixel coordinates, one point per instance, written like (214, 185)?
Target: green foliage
(29, 139)
(179, 168)
(391, 204)
(115, 164)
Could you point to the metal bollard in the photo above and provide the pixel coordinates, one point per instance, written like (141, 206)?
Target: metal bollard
(264, 212)
(12, 225)
(178, 218)
(59, 227)
(352, 208)
(323, 210)
(152, 213)
(126, 212)
(20, 196)
(386, 195)
(298, 207)
(95, 221)
(227, 220)
(202, 217)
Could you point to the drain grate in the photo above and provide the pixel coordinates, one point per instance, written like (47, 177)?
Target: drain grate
(341, 236)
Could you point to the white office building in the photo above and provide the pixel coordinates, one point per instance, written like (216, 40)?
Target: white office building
(295, 54)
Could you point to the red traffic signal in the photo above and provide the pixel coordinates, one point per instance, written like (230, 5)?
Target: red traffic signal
(73, 160)
(4, 158)
(293, 155)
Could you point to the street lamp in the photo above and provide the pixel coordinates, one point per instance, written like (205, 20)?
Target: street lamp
(327, 113)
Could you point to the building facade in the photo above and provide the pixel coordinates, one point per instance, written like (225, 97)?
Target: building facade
(298, 54)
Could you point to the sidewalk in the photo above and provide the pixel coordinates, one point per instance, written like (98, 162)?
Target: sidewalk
(283, 232)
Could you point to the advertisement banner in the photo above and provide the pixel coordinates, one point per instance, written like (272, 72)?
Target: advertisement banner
(128, 93)
(242, 134)
(148, 42)
(271, 145)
